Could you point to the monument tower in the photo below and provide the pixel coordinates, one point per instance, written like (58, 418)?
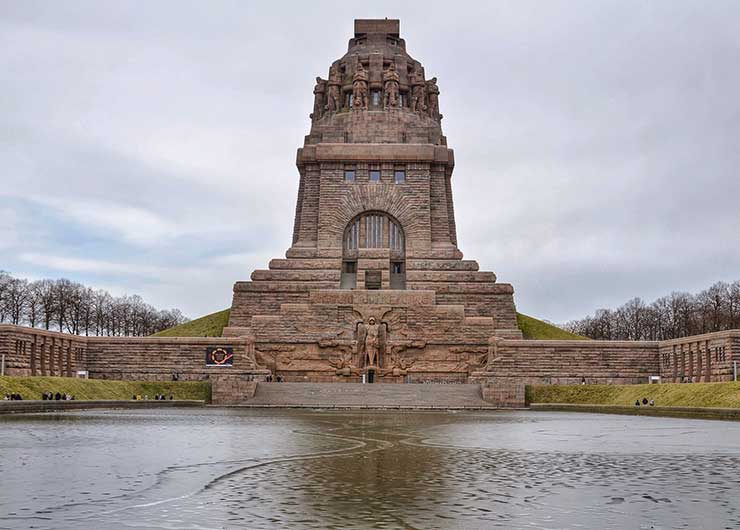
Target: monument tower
(374, 283)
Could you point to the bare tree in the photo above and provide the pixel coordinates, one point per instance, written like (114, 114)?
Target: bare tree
(677, 315)
(74, 308)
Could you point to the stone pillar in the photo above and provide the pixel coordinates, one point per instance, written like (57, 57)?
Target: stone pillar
(69, 358)
(699, 363)
(708, 364)
(675, 364)
(33, 356)
(42, 359)
(51, 356)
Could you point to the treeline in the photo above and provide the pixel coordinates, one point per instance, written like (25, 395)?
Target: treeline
(70, 307)
(670, 317)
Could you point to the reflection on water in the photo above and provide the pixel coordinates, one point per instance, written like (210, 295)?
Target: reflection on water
(223, 469)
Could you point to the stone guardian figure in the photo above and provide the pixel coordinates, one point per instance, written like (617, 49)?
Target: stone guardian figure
(390, 87)
(433, 99)
(332, 94)
(319, 92)
(418, 92)
(359, 88)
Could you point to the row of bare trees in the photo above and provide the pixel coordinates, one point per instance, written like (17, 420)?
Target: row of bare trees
(63, 305)
(669, 317)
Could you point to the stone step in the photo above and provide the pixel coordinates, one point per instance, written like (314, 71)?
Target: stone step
(373, 396)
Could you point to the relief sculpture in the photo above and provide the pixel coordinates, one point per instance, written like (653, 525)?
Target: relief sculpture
(371, 338)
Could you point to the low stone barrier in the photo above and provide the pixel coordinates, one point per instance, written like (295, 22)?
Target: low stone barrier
(22, 407)
(705, 413)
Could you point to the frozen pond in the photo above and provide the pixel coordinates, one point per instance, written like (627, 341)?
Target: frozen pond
(202, 469)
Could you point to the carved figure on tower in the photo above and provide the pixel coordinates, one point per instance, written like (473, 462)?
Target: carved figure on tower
(418, 92)
(332, 94)
(390, 87)
(433, 99)
(319, 92)
(359, 88)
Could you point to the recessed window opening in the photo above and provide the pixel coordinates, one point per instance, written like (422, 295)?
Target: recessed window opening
(374, 175)
(374, 231)
(395, 237)
(400, 176)
(375, 98)
(349, 175)
(352, 237)
(350, 267)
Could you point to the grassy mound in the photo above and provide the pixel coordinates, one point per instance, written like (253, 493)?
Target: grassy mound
(212, 326)
(665, 395)
(33, 387)
(538, 330)
(208, 326)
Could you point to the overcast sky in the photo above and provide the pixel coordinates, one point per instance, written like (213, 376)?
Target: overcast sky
(149, 147)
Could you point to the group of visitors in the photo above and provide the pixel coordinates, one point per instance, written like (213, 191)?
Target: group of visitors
(278, 378)
(51, 396)
(13, 397)
(645, 402)
(58, 396)
(158, 397)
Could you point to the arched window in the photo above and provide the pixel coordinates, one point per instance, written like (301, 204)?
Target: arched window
(374, 230)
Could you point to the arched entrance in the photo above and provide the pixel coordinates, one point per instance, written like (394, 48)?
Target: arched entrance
(367, 232)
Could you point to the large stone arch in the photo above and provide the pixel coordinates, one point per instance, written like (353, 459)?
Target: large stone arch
(385, 198)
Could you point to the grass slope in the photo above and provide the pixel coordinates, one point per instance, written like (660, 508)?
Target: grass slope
(212, 326)
(208, 326)
(33, 387)
(538, 330)
(665, 395)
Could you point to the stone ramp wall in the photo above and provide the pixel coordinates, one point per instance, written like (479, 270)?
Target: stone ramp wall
(158, 358)
(570, 361)
(35, 352)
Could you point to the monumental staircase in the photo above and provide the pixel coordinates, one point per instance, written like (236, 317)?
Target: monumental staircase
(369, 396)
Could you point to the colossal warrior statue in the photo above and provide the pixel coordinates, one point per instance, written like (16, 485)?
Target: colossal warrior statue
(433, 99)
(390, 87)
(333, 101)
(359, 88)
(374, 283)
(418, 92)
(319, 92)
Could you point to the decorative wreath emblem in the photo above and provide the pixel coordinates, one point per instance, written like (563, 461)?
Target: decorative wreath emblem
(219, 356)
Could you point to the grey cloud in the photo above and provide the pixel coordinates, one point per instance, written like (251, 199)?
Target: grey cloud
(596, 142)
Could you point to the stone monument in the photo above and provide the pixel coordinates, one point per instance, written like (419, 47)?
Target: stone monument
(374, 279)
